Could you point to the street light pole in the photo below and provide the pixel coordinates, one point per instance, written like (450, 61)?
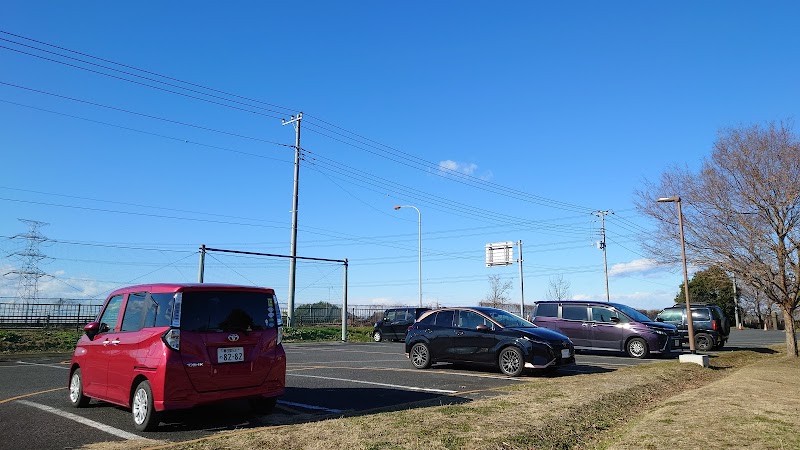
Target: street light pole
(419, 262)
(689, 323)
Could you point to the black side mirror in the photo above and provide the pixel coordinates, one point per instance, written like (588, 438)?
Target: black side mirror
(482, 327)
(614, 320)
(659, 319)
(92, 329)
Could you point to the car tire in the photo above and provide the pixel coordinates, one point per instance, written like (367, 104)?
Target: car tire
(145, 416)
(76, 397)
(511, 361)
(704, 342)
(377, 336)
(263, 405)
(637, 348)
(420, 356)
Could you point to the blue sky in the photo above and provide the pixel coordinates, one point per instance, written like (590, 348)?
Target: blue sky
(500, 123)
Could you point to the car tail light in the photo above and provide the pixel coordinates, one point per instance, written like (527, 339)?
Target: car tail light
(172, 338)
(714, 324)
(280, 336)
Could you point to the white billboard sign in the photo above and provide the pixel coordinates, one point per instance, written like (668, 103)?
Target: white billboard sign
(499, 254)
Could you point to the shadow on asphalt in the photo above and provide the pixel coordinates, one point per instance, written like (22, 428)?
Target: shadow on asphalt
(237, 414)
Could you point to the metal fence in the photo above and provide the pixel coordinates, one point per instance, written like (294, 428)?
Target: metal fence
(319, 315)
(45, 315)
(65, 315)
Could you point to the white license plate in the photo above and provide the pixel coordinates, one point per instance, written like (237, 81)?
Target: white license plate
(230, 354)
(565, 353)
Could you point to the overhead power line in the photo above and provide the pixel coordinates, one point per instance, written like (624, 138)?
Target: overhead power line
(317, 125)
(350, 174)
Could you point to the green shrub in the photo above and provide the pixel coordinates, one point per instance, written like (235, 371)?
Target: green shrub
(301, 334)
(38, 340)
(49, 340)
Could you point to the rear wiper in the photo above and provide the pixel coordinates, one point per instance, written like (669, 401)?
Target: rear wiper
(239, 329)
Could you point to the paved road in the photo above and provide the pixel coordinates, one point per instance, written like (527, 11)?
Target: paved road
(323, 379)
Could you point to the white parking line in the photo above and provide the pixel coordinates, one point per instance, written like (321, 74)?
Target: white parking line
(304, 406)
(319, 366)
(66, 367)
(407, 388)
(110, 430)
(346, 362)
(337, 350)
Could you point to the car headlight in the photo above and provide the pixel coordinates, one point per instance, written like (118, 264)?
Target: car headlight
(656, 331)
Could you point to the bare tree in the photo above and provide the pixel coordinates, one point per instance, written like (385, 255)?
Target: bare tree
(741, 212)
(558, 288)
(758, 306)
(498, 292)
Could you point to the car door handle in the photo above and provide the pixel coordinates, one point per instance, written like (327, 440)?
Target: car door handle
(428, 330)
(459, 333)
(115, 342)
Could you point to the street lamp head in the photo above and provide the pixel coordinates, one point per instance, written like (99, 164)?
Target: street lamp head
(397, 207)
(669, 199)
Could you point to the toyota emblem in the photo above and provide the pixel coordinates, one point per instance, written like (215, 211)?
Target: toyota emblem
(233, 337)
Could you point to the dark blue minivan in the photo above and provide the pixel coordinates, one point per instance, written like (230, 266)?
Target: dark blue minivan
(596, 325)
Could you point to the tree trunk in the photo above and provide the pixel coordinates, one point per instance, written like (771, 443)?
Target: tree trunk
(791, 338)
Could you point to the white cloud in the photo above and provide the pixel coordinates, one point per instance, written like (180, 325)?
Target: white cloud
(8, 284)
(55, 285)
(380, 301)
(635, 267)
(465, 168)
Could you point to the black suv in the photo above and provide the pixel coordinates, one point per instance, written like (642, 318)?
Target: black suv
(711, 327)
(395, 323)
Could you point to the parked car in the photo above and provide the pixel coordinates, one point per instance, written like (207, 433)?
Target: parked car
(596, 325)
(711, 327)
(395, 322)
(486, 336)
(161, 347)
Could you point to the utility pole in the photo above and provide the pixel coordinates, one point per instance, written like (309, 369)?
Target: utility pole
(202, 268)
(293, 250)
(602, 216)
(521, 284)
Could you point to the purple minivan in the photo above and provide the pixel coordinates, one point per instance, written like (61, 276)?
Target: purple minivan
(596, 325)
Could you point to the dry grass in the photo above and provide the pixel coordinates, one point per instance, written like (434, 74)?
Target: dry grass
(637, 407)
(757, 407)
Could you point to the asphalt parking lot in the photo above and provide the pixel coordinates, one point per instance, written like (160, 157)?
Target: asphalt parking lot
(323, 380)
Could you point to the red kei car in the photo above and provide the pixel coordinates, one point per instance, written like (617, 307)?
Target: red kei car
(173, 346)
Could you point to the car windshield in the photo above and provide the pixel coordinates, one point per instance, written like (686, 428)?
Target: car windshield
(228, 311)
(507, 319)
(633, 314)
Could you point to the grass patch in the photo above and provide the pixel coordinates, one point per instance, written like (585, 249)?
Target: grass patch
(618, 409)
(754, 406)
